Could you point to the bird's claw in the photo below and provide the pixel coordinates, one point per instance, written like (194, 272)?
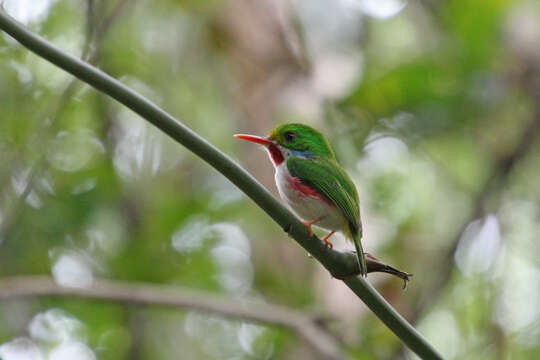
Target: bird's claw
(327, 242)
(308, 225)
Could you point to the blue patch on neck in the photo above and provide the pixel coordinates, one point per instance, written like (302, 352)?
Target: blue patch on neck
(302, 153)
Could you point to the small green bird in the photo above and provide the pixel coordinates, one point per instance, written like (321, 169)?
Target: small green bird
(312, 182)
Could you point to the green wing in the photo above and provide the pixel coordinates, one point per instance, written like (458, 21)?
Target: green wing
(328, 178)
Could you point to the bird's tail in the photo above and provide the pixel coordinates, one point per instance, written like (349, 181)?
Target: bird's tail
(356, 235)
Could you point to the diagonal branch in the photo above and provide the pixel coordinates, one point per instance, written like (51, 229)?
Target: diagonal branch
(308, 327)
(340, 265)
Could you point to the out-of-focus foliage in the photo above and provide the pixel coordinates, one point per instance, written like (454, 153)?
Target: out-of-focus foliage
(433, 106)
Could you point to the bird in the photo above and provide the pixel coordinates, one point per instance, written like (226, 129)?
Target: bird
(312, 182)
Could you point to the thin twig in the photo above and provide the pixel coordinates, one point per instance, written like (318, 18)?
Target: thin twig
(306, 326)
(90, 29)
(338, 264)
(115, 13)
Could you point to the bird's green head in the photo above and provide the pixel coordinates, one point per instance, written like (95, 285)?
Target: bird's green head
(300, 138)
(293, 140)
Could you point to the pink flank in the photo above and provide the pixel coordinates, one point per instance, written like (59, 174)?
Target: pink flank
(305, 190)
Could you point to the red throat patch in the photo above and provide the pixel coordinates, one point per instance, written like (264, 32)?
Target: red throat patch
(275, 154)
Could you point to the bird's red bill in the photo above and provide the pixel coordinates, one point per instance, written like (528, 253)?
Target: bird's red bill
(256, 139)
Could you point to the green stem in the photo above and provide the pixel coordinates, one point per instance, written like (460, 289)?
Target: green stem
(339, 264)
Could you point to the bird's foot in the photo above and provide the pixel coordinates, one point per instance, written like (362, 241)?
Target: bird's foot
(325, 239)
(308, 225)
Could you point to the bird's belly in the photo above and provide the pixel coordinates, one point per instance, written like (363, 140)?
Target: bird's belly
(306, 203)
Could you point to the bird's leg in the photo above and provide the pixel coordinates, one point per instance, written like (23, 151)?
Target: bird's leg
(325, 239)
(309, 223)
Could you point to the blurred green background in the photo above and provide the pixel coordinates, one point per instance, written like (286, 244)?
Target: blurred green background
(432, 106)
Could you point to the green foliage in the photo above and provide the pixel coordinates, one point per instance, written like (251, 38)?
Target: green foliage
(440, 103)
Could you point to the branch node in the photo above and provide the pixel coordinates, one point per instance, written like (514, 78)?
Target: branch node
(288, 229)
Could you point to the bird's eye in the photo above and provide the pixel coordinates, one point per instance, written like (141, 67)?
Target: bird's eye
(289, 136)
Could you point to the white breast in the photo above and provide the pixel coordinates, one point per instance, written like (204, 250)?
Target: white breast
(307, 207)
